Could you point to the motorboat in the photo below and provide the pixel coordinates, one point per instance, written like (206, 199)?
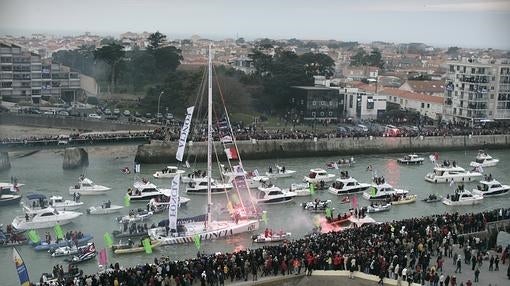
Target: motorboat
(9, 237)
(83, 256)
(484, 160)
(411, 159)
(46, 218)
(39, 202)
(252, 179)
(160, 206)
(168, 172)
(432, 198)
(342, 163)
(318, 175)
(317, 206)
(381, 190)
(143, 191)
(376, 208)
(58, 203)
(68, 250)
(50, 278)
(280, 172)
(301, 189)
(272, 194)
(199, 187)
(81, 240)
(129, 247)
(462, 197)
(446, 173)
(135, 216)
(13, 186)
(86, 187)
(489, 188)
(268, 237)
(7, 197)
(196, 174)
(403, 199)
(347, 185)
(104, 208)
(131, 230)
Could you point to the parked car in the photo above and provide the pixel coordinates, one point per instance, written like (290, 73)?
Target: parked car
(148, 115)
(63, 113)
(116, 111)
(169, 116)
(126, 112)
(107, 112)
(95, 116)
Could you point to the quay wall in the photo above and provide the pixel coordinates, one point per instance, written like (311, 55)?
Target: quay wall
(164, 152)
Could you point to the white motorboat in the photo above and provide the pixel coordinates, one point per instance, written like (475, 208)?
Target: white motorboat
(280, 172)
(47, 218)
(7, 197)
(168, 172)
(376, 208)
(68, 250)
(403, 199)
(342, 163)
(489, 188)
(252, 179)
(86, 187)
(318, 175)
(411, 159)
(38, 202)
(301, 189)
(484, 160)
(347, 185)
(447, 173)
(58, 203)
(196, 174)
(157, 207)
(273, 195)
(104, 208)
(382, 191)
(462, 197)
(199, 187)
(143, 191)
(189, 230)
(316, 206)
(135, 216)
(14, 187)
(268, 237)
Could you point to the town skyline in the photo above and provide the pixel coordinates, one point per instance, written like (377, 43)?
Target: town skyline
(432, 22)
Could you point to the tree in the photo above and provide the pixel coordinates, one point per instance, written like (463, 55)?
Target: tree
(156, 40)
(167, 59)
(240, 41)
(360, 58)
(318, 64)
(453, 51)
(375, 58)
(111, 54)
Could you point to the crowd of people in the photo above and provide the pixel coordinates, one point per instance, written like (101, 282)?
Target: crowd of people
(401, 250)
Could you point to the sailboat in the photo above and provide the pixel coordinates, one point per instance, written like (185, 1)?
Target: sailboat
(207, 229)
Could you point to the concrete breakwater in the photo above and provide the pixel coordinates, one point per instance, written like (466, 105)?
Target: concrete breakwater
(164, 152)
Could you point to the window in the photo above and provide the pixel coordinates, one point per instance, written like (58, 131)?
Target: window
(350, 100)
(313, 114)
(492, 96)
(422, 105)
(428, 105)
(330, 113)
(370, 103)
(322, 113)
(314, 103)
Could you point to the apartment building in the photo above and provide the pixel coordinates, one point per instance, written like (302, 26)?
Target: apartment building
(477, 89)
(24, 76)
(363, 105)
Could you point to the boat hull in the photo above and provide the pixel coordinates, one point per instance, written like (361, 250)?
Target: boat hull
(501, 192)
(410, 162)
(97, 210)
(10, 200)
(89, 191)
(408, 200)
(340, 192)
(466, 178)
(45, 246)
(490, 163)
(19, 223)
(476, 201)
(287, 174)
(137, 249)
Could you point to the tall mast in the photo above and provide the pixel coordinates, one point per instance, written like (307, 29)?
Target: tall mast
(209, 138)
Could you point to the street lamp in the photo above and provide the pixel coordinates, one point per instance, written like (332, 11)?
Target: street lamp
(159, 99)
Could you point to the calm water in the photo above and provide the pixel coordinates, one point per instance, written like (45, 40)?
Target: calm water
(42, 172)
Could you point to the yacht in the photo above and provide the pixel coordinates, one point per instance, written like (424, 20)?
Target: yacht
(347, 185)
(489, 188)
(451, 172)
(382, 191)
(168, 172)
(273, 195)
(86, 187)
(252, 179)
(411, 159)
(376, 208)
(46, 218)
(462, 197)
(484, 160)
(280, 172)
(38, 202)
(58, 203)
(7, 197)
(319, 175)
(143, 191)
(301, 189)
(199, 187)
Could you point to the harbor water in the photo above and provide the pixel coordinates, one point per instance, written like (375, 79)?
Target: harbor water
(42, 173)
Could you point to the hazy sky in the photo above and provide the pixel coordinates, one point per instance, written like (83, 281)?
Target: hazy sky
(468, 23)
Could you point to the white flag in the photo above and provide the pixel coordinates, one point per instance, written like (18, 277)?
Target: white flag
(187, 164)
(184, 133)
(432, 158)
(452, 182)
(173, 204)
(137, 168)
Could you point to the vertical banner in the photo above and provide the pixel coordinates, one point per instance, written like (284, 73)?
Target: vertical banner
(33, 236)
(197, 240)
(184, 133)
(20, 268)
(147, 246)
(127, 200)
(173, 204)
(103, 257)
(59, 233)
(107, 239)
(136, 167)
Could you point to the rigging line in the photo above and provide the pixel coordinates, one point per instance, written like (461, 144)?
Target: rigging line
(198, 99)
(234, 140)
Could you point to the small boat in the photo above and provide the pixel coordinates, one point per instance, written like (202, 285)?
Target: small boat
(381, 190)
(462, 197)
(448, 172)
(134, 232)
(86, 187)
(376, 208)
(49, 278)
(11, 238)
(68, 250)
(125, 171)
(411, 159)
(168, 172)
(58, 203)
(135, 216)
(432, 198)
(7, 197)
(39, 202)
(345, 200)
(86, 255)
(144, 191)
(403, 199)
(252, 179)
(318, 175)
(267, 237)
(490, 188)
(52, 245)
(104, 208)
(131, 248)
(340, 219)
(484, 160)
(199, 187)
(273, 195)
(159, 207)
(301, 189)
(46, 218)
(342, 163)
(280, 172)
(347, 185)
(316, 206)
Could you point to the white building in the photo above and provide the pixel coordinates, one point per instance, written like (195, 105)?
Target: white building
(363, 105)
(427, 105)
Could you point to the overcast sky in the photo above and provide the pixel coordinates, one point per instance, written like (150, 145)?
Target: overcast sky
(468, 23)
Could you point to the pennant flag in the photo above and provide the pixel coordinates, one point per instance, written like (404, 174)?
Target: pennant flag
(311, 186)
(354, 202)
(329, 213)
(127, 200)
(58, 231)
(232, 153)
(107, 239)
(264, 217)
(34, 236)
(21, 269)
(147, 246)
(103, 257)
(196, 239)
(187, 164)
(137, 167)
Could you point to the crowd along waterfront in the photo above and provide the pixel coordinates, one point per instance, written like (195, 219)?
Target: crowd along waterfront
(41, 173)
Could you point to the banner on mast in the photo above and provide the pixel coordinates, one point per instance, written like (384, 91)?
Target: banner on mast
(184, 133)
(20, 268)
(173, 204)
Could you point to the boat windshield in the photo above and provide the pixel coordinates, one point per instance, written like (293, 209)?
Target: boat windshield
(479, 160)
